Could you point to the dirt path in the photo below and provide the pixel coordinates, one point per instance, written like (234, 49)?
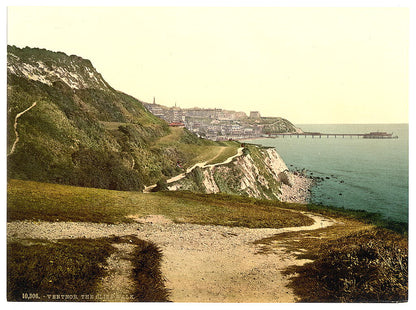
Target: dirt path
(15, 127)
(117, 285)
(202, 165)
(201, 263)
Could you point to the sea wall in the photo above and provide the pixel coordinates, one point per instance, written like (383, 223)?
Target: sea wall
(259, 173)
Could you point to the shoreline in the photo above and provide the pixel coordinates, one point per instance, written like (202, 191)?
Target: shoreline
(249, 139)
(298, 189)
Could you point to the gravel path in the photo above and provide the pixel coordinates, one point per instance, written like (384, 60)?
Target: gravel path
(202, 165)
(202, 263)
(117, 285)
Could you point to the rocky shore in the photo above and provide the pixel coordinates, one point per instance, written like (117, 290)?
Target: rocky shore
(297, 189)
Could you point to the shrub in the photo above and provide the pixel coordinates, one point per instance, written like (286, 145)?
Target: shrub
(161, 185)
(369, 266)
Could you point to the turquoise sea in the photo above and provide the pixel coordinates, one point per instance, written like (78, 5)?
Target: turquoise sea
(365, 174)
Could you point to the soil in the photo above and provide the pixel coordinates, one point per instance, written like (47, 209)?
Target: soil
(202, 263)
(117, 285)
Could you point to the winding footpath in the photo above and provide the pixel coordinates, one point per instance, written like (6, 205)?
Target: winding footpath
(202, 263)
(202, 165)
(15, 127)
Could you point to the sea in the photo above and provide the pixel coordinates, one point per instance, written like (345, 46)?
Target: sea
(357, 173)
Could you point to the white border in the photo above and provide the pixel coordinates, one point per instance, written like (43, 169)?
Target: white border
(219, 3)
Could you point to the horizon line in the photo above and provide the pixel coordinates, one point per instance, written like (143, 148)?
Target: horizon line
(399, 123)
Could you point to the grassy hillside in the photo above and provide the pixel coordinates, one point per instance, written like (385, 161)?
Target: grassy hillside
(83, 132)
(29, 200)
(190, 149)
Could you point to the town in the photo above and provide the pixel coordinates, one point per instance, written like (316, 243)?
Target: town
(218, 124)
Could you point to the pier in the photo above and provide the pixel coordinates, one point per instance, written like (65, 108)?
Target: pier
(371, 135)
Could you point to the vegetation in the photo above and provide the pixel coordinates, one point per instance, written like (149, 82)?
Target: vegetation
(373, 218)
(91, 136)
(352, 261)
(29, 200)
(71, 269)
(161, 185)
(189, 149)
(107, 142)
(222, 153)
(194, 181)
(45, 268)
(150, 283)
(348, 262)
(228, 177)
(280, 125)
(366, 266)
(228, 180)
(272, 124)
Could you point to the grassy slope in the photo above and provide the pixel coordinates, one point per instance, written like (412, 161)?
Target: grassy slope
(54, 268)
(92, 137)
(29, 200)
(192, 150)
(61, 143)
(354, 263)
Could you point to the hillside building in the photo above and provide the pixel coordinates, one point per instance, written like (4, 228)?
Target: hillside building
(255, 114)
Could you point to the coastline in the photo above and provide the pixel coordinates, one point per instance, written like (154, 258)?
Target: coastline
(295, 186)
(246, 140)
(297, 190)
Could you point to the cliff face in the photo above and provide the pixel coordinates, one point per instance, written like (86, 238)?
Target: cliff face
(259, 173)
(48, 67)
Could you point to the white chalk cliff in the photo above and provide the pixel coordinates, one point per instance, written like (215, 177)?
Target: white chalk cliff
(259, 173)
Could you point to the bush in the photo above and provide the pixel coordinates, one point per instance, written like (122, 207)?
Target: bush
(364, 267)
(161, 185)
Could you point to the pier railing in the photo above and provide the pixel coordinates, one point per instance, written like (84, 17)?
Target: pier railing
(371, 135)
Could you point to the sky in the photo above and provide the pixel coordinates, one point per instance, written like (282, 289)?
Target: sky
(310, 65)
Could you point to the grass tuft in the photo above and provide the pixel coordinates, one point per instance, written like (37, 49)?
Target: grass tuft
(150, 283)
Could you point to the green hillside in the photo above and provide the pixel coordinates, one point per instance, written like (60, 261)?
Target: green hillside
(83, 132)
(28, 200)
